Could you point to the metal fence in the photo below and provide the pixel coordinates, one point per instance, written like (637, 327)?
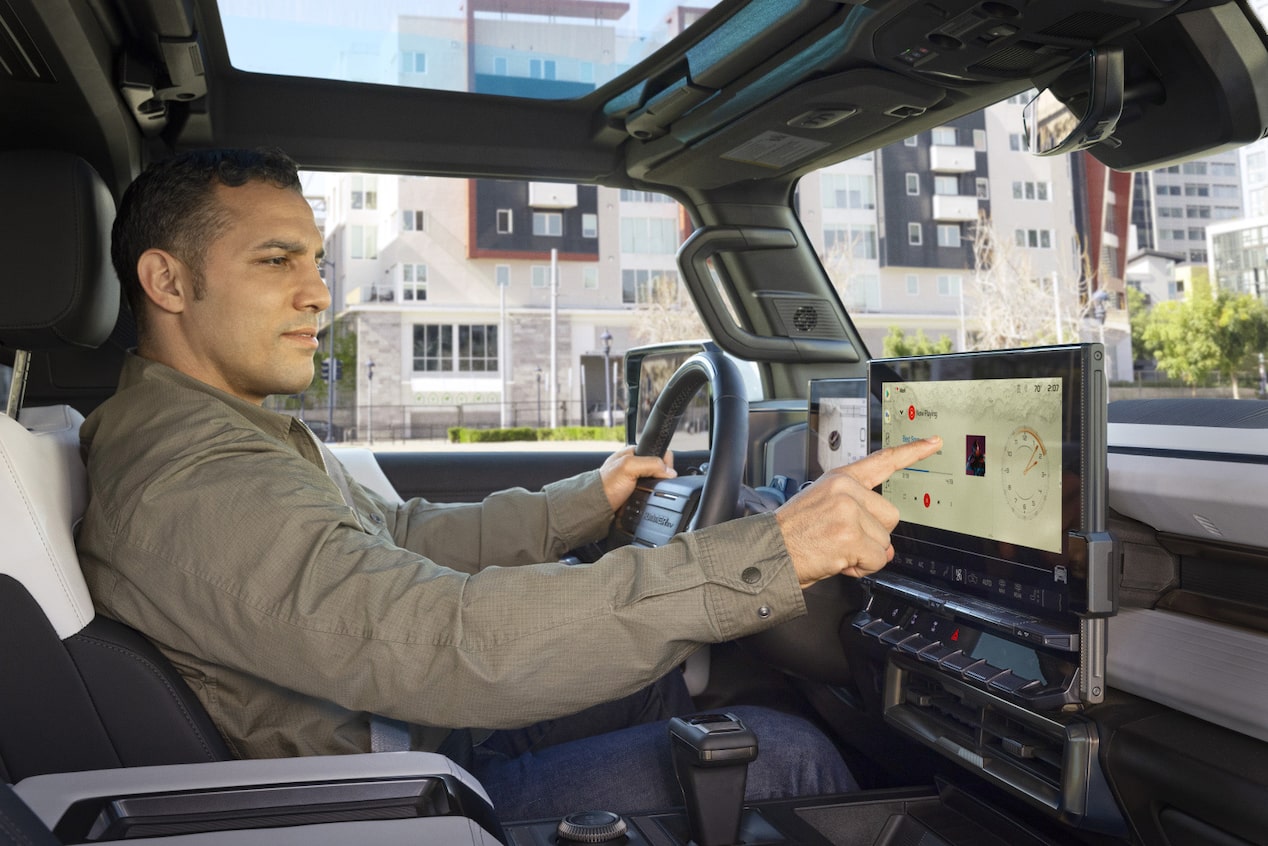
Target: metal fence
(388, 423)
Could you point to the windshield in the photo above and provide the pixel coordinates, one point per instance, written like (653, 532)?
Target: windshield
(545, 49)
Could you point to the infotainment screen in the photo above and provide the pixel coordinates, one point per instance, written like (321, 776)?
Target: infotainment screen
(837, 421)
(1005, 509)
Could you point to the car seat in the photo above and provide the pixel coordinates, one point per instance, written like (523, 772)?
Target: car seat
(78, 691)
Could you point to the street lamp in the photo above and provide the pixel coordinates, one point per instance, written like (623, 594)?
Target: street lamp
(539, 398)
(369, 390)
(606, 338)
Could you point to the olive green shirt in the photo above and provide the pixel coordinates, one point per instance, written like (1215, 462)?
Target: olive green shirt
(218, 529)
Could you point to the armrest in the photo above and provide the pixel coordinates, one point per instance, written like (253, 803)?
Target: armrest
(425, 794)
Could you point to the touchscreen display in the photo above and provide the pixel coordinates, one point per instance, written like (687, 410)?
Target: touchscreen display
(838, 424)
(998, 475)
(1003, 510)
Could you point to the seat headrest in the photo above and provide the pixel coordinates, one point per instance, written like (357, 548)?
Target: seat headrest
(43, 492)
(55, 219)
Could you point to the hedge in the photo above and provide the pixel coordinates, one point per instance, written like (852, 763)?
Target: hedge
(463, 435)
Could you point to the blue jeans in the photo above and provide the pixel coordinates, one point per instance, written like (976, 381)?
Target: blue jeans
(616, 757)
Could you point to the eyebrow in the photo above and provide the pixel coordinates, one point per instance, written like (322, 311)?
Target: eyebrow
(286, 246)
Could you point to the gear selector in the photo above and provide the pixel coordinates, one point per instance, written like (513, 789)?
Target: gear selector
(711, 755)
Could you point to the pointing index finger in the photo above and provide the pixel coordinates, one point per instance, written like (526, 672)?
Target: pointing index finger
(879, 466)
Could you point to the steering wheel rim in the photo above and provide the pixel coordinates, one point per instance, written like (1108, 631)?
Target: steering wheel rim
(728, 432)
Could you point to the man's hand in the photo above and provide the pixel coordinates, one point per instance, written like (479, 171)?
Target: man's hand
(839, 524)
(623, 469)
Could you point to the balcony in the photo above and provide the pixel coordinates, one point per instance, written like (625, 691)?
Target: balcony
(952, 159)
(954, 208)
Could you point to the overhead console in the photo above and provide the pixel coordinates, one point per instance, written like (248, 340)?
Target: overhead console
(991, 618)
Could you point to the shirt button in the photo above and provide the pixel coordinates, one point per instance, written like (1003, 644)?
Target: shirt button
(376, 518)
(751, 575)
(763, 612)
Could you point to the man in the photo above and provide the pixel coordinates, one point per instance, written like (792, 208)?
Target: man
(297, 604)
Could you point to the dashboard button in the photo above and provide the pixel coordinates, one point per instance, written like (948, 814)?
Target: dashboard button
(983, 672)
(957, 662)
(935, 652)
(896, 635)
(914, 644)
(1010, 682)
(876, 628)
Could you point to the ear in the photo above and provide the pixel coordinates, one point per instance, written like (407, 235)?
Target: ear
(165, 279)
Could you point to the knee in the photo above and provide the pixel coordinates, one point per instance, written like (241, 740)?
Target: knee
(794, 758)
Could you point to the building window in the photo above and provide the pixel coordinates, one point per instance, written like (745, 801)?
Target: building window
(413, 282)
(913, 285)
(1039, 238)
(913, 184)
(649, 235)
(1196, 234)
(631, 196)
(1015, 142)
(542, 68)
(590, 278)
(548, 223)
(412, 62)
(1192, 190)
(641, 286)
(500, 67)
(983, 186)
(858, 241)
(478, 348)
(1198, 256)
(979, 140)
(502, 275)
(944, 136)
(364, 193)
(948, 235)
(506, 221)
(541, 276)
(915, 234)
(412, 221)
(589, 226)
(848, 191)
(364, 241)
(948, 286)
(911, 140)
(947, 186)
(433, 348)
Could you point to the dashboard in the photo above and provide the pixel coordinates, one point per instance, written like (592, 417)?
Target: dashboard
(991, 619)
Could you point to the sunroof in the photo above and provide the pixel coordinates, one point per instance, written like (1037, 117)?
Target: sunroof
(545, 49)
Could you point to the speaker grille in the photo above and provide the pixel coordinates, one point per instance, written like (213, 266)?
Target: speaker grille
(806, 317)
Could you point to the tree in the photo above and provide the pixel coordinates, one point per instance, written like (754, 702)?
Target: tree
(1012, 305)
(897, 344)
(1203, 333)
(1138, 314)
(666, 313)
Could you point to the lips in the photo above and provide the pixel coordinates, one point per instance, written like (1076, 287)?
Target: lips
(306, 336)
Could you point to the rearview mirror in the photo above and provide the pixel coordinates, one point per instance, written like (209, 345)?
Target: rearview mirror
(1080, 109)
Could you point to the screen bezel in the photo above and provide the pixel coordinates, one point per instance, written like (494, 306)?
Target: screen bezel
(1082, 466)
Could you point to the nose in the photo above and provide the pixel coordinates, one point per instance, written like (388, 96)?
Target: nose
(313, 294)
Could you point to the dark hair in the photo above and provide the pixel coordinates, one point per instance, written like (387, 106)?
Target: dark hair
(171, 206)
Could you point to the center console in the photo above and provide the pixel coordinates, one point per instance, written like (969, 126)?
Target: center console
(991, 619)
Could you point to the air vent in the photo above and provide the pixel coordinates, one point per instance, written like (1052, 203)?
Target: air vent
(19, 57)
(806, 317)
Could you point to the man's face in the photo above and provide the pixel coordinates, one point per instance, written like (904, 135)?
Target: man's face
(253, 331)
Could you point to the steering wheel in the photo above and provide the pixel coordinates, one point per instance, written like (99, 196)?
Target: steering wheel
(728, 431)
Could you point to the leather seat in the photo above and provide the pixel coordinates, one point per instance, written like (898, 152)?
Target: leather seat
(77, 691)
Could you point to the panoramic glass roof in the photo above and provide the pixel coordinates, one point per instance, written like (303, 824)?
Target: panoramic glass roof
(545, 49)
